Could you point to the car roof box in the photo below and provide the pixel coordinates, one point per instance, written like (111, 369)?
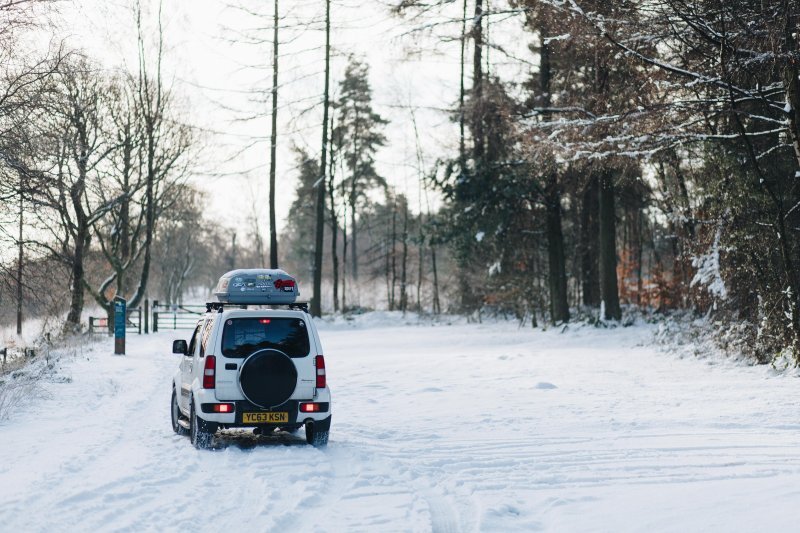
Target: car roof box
(257, 286)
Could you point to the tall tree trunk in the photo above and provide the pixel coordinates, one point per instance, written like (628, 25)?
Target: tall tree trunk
(462, 149)
(590, 277)
(388, 270)
(125, 210)
(153, 106)
(420, 255)
(609, 291)
(421, 182)
(232, 256)
(559, 307)
(404, 262)
(20, 259)
(77, 279)
(354, 200)
(557, 264)
(394, 254)
(316, 302)
(80, 237)
(273, 231)
(344, 249)
(477, 84)
(791, 81)
(791, 78)
(334, 236)
(437, 306)
(150, 222)
(638, 248)
(353, 241)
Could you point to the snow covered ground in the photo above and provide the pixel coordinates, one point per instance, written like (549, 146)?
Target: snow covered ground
(459, 427)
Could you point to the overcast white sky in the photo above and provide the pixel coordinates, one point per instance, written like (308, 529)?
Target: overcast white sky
(226, 82)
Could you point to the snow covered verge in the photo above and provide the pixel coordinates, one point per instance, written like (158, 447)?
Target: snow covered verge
(437, 427)
(687, 335)
(27, 368)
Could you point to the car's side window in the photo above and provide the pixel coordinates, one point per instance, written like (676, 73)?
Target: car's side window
(193, 342)
(206, 337)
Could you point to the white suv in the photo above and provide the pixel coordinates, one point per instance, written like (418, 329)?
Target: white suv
(259, 368)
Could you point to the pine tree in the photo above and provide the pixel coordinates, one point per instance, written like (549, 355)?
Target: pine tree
(299, 233)
(359, 136)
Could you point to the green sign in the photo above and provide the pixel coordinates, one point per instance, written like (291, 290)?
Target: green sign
(120, 318)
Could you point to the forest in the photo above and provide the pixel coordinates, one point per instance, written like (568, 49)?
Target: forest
(648, 160)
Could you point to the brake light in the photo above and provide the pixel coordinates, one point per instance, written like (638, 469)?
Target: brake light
(281, 283)
(209, 372)
(319, 362)
(309, 408)
(264, 321)
(223, 408)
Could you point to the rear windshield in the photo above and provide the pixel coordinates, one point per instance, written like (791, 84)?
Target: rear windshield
(243, 336)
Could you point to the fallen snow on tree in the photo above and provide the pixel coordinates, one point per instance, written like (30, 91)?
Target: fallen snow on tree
(708, 274)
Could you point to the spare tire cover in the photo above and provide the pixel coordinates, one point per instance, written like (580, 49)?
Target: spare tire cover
(268, 378)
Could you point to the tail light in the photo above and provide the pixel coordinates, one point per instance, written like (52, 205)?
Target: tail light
(310, 408)
(284, 283)
(209, 372)
(223, 408)
(319, 362)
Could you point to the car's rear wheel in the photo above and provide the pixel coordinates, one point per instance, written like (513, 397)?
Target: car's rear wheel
(201, 433)
(176, 415)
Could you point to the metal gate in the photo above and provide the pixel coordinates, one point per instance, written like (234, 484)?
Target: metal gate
(133, 322)
(176, 316)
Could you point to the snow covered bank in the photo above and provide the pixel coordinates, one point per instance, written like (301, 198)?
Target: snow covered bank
(463, 427)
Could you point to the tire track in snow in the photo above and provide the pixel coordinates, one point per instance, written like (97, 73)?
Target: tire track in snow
(422, 440)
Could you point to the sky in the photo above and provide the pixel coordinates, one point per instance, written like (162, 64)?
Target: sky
(219, 56)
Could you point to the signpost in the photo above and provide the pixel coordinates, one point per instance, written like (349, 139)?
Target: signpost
(120, 318)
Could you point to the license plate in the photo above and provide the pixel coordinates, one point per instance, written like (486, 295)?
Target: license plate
(265, 418)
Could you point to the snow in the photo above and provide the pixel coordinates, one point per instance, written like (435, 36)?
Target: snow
(708, 273)
(562, 37)
(438, 426)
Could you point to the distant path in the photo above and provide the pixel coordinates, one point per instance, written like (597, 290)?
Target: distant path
(448, 428)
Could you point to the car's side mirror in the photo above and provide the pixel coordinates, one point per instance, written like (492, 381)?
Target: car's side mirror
(180, 347)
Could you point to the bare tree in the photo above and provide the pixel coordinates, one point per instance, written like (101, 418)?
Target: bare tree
(25, 76)
(273, 230)
(181, 239)
(316, 302)
(76, 150)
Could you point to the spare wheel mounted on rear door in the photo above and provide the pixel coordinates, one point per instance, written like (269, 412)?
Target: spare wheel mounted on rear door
(268, 378)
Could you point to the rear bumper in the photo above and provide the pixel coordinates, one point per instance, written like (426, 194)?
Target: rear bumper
(291, 407)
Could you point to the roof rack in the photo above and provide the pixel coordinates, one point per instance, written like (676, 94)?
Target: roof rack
(219, 306)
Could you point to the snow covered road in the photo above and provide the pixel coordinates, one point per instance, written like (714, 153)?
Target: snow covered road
(447, 428)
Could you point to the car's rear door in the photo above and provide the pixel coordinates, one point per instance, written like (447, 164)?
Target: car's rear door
(187, 364)
(242, 335)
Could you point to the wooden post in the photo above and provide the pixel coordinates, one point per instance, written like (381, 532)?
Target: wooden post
(155, 316)
(146, 316)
